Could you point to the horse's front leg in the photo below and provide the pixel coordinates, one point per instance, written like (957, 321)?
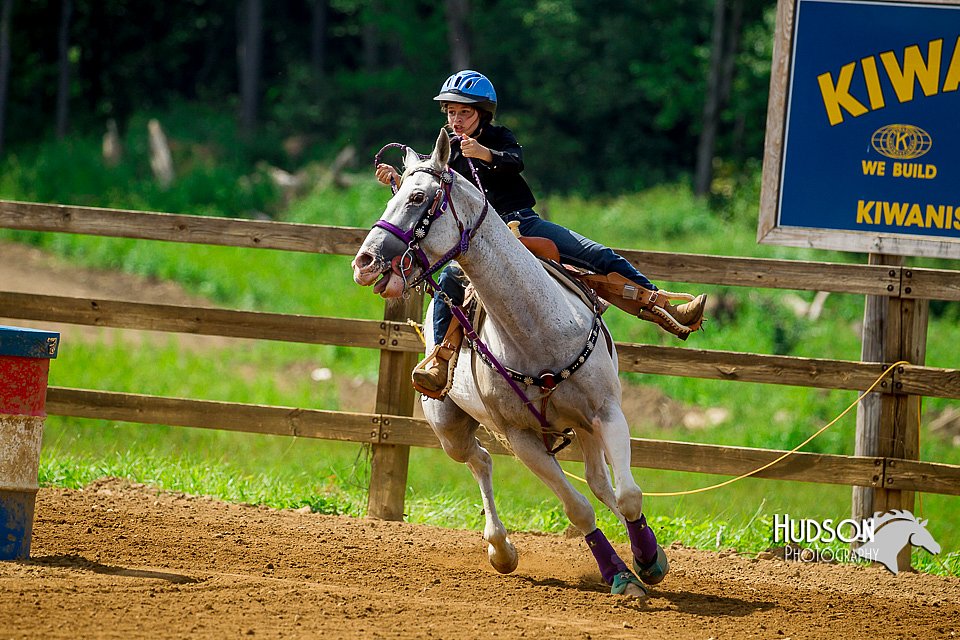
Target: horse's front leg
(649, 559)
(456, 431)
(501, 552)
(529, 448)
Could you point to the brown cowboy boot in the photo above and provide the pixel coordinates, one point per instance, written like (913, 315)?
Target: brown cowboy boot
(689, 314)
(433, 376)
(681, 320)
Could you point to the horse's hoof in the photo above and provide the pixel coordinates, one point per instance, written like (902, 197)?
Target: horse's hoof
(656, 571)
(626, 584)
(505, 562)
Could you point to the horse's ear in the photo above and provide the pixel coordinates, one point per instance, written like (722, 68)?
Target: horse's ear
(411, 158)
(441, 152)
(923, 523)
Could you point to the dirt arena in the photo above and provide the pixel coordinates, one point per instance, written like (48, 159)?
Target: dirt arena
(117, 560)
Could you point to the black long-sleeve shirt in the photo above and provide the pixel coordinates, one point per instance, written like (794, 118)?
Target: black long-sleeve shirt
(505, 188)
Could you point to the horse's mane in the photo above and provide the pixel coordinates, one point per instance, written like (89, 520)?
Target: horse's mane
(892, 515)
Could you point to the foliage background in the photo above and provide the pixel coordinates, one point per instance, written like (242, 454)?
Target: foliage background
(607, 96)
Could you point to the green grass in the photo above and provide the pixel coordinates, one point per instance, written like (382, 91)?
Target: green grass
(331, 477)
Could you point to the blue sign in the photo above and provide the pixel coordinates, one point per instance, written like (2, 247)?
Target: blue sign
(872, 129)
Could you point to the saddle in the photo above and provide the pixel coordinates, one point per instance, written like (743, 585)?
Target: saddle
(621, 292)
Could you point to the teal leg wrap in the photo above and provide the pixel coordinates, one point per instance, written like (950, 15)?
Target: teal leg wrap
(621, 580)
(654, 572)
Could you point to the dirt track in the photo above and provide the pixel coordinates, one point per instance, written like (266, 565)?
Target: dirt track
(127, 561)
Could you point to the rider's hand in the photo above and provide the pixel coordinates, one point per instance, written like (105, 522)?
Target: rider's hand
(470, 148)
(385, 172)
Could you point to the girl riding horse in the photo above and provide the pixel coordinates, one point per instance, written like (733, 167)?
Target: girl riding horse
(534, 323)
(469, 101)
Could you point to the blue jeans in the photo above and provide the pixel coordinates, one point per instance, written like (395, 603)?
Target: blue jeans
(574, 249)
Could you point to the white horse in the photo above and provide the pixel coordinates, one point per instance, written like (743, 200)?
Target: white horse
(533, 324)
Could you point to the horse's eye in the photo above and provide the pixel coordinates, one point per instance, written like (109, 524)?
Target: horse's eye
(417, 198)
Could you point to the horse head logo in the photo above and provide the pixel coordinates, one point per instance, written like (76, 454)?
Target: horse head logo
(892, 531)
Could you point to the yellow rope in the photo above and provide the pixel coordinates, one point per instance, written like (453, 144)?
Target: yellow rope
(417, 327)
(782, 457)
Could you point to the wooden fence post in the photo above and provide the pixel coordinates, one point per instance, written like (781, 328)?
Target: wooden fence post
(395, 396)
(895, 328)
(900, 414)
(872, 349)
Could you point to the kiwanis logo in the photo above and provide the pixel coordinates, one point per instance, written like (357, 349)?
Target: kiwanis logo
(901, 141)
(903, 144)
(880, 538)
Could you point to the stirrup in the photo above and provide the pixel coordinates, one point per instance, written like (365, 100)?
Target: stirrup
(440, 355)
(447, 350)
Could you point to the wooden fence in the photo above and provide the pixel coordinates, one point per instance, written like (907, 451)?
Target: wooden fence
(894, 472)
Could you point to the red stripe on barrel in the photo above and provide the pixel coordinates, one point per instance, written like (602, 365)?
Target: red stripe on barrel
(23, 385)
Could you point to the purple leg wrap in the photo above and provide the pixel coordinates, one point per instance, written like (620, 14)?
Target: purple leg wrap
(608, 560)
(643, 542)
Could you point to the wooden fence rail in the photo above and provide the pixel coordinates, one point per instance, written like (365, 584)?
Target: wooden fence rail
(397, 336)
(384, 429)
(704, 269)
(392, 430)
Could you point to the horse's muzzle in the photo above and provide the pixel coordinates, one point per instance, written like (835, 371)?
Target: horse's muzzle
(393, 275)
(367, 267)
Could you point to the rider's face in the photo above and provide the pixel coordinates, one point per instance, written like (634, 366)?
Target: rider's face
(462, 118)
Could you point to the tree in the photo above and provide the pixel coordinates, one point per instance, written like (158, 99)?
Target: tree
(318, 38)
(5, 12)
(600, 107)
(250, 58)
(458, 33)
(63, 85)
(723, 49)
(370, 34)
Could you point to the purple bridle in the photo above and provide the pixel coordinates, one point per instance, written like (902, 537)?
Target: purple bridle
(441, 203)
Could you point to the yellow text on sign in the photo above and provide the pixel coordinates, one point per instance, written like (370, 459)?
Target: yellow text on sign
(916, 68)
(899, 169)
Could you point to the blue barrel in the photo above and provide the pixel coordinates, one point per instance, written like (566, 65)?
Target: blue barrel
(25, 356)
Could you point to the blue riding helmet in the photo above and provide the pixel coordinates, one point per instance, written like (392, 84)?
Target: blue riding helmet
(469, 87)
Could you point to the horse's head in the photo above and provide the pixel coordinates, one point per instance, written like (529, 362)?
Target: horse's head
(399, 248)
(923, 538)
(893, 530)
